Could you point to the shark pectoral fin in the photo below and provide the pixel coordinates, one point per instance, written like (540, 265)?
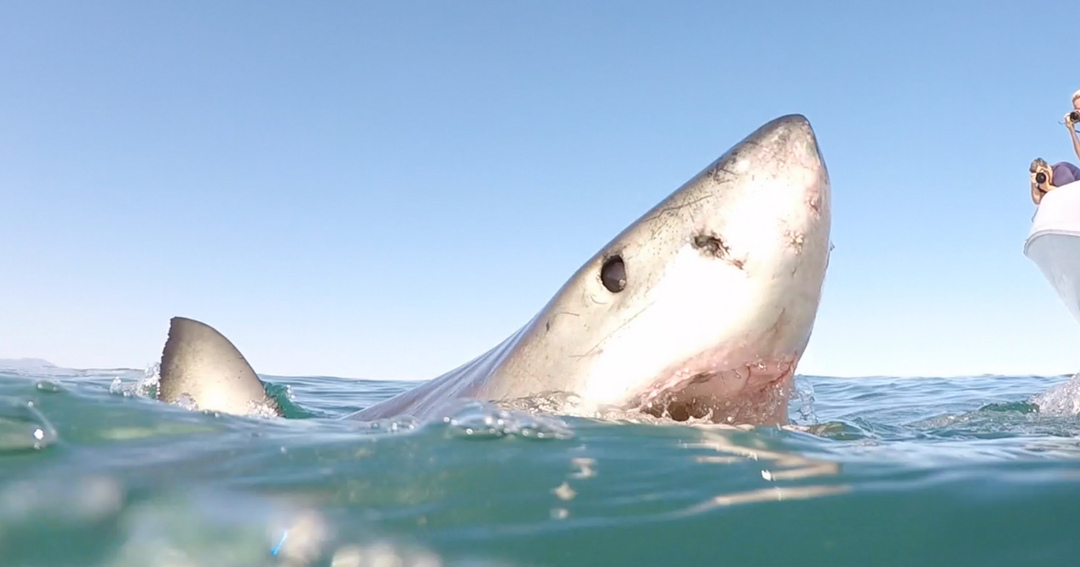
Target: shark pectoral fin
(200, 362)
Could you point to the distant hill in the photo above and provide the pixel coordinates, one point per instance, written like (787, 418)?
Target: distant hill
(25, 363)
(40, 368)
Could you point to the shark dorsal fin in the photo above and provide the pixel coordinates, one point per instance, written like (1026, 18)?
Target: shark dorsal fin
(200, 362)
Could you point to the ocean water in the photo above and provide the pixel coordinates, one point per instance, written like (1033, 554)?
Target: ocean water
(874, 471)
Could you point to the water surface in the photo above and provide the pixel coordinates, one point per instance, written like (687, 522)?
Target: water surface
(876, 471)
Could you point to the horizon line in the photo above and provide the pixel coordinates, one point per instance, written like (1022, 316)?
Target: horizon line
(7, 364)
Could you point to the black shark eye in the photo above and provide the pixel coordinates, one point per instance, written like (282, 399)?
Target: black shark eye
(613, 274)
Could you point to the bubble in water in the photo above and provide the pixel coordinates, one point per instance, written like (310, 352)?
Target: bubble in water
(43, 516)
(199, 529)
(187, 402)
(72, 500)
(479, 420)
(349, 556)
(384, 554)
(392, 425)
(564, 492)
(304, 538)
(230, 530)
(46, 385)
(584, 467)
(23, 427)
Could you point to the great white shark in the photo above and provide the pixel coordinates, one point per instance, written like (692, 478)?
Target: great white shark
(701, 308)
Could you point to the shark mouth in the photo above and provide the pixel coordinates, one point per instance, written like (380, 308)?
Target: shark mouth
(754, 392)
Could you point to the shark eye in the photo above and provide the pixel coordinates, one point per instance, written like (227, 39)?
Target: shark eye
(613, 274)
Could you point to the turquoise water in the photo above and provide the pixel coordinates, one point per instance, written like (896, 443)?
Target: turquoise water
(876, 471)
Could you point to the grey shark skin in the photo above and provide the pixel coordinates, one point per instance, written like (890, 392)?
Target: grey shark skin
(701, 308)
(200, 362)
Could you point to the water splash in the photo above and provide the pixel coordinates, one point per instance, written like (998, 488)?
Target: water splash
(1063, 399)
(480, 420)
(145, 387)
(23, 427)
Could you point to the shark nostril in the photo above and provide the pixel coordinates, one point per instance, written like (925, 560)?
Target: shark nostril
(714, 247)
(711, 245)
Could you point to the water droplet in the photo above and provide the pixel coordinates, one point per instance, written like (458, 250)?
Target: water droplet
(48, 386)
(564, 492)
(23, 427)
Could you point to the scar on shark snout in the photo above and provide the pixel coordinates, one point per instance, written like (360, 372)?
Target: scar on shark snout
(711, 245)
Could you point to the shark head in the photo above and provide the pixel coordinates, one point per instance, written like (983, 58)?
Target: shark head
(703, 306)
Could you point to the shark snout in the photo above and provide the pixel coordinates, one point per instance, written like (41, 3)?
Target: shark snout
(792, 135)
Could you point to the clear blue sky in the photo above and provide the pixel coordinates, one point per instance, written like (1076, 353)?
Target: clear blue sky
(386, 189)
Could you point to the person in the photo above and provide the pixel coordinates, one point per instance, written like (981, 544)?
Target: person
(1061, 173)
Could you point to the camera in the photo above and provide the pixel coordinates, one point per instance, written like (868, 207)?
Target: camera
(1075, 115)
(1040, 172)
